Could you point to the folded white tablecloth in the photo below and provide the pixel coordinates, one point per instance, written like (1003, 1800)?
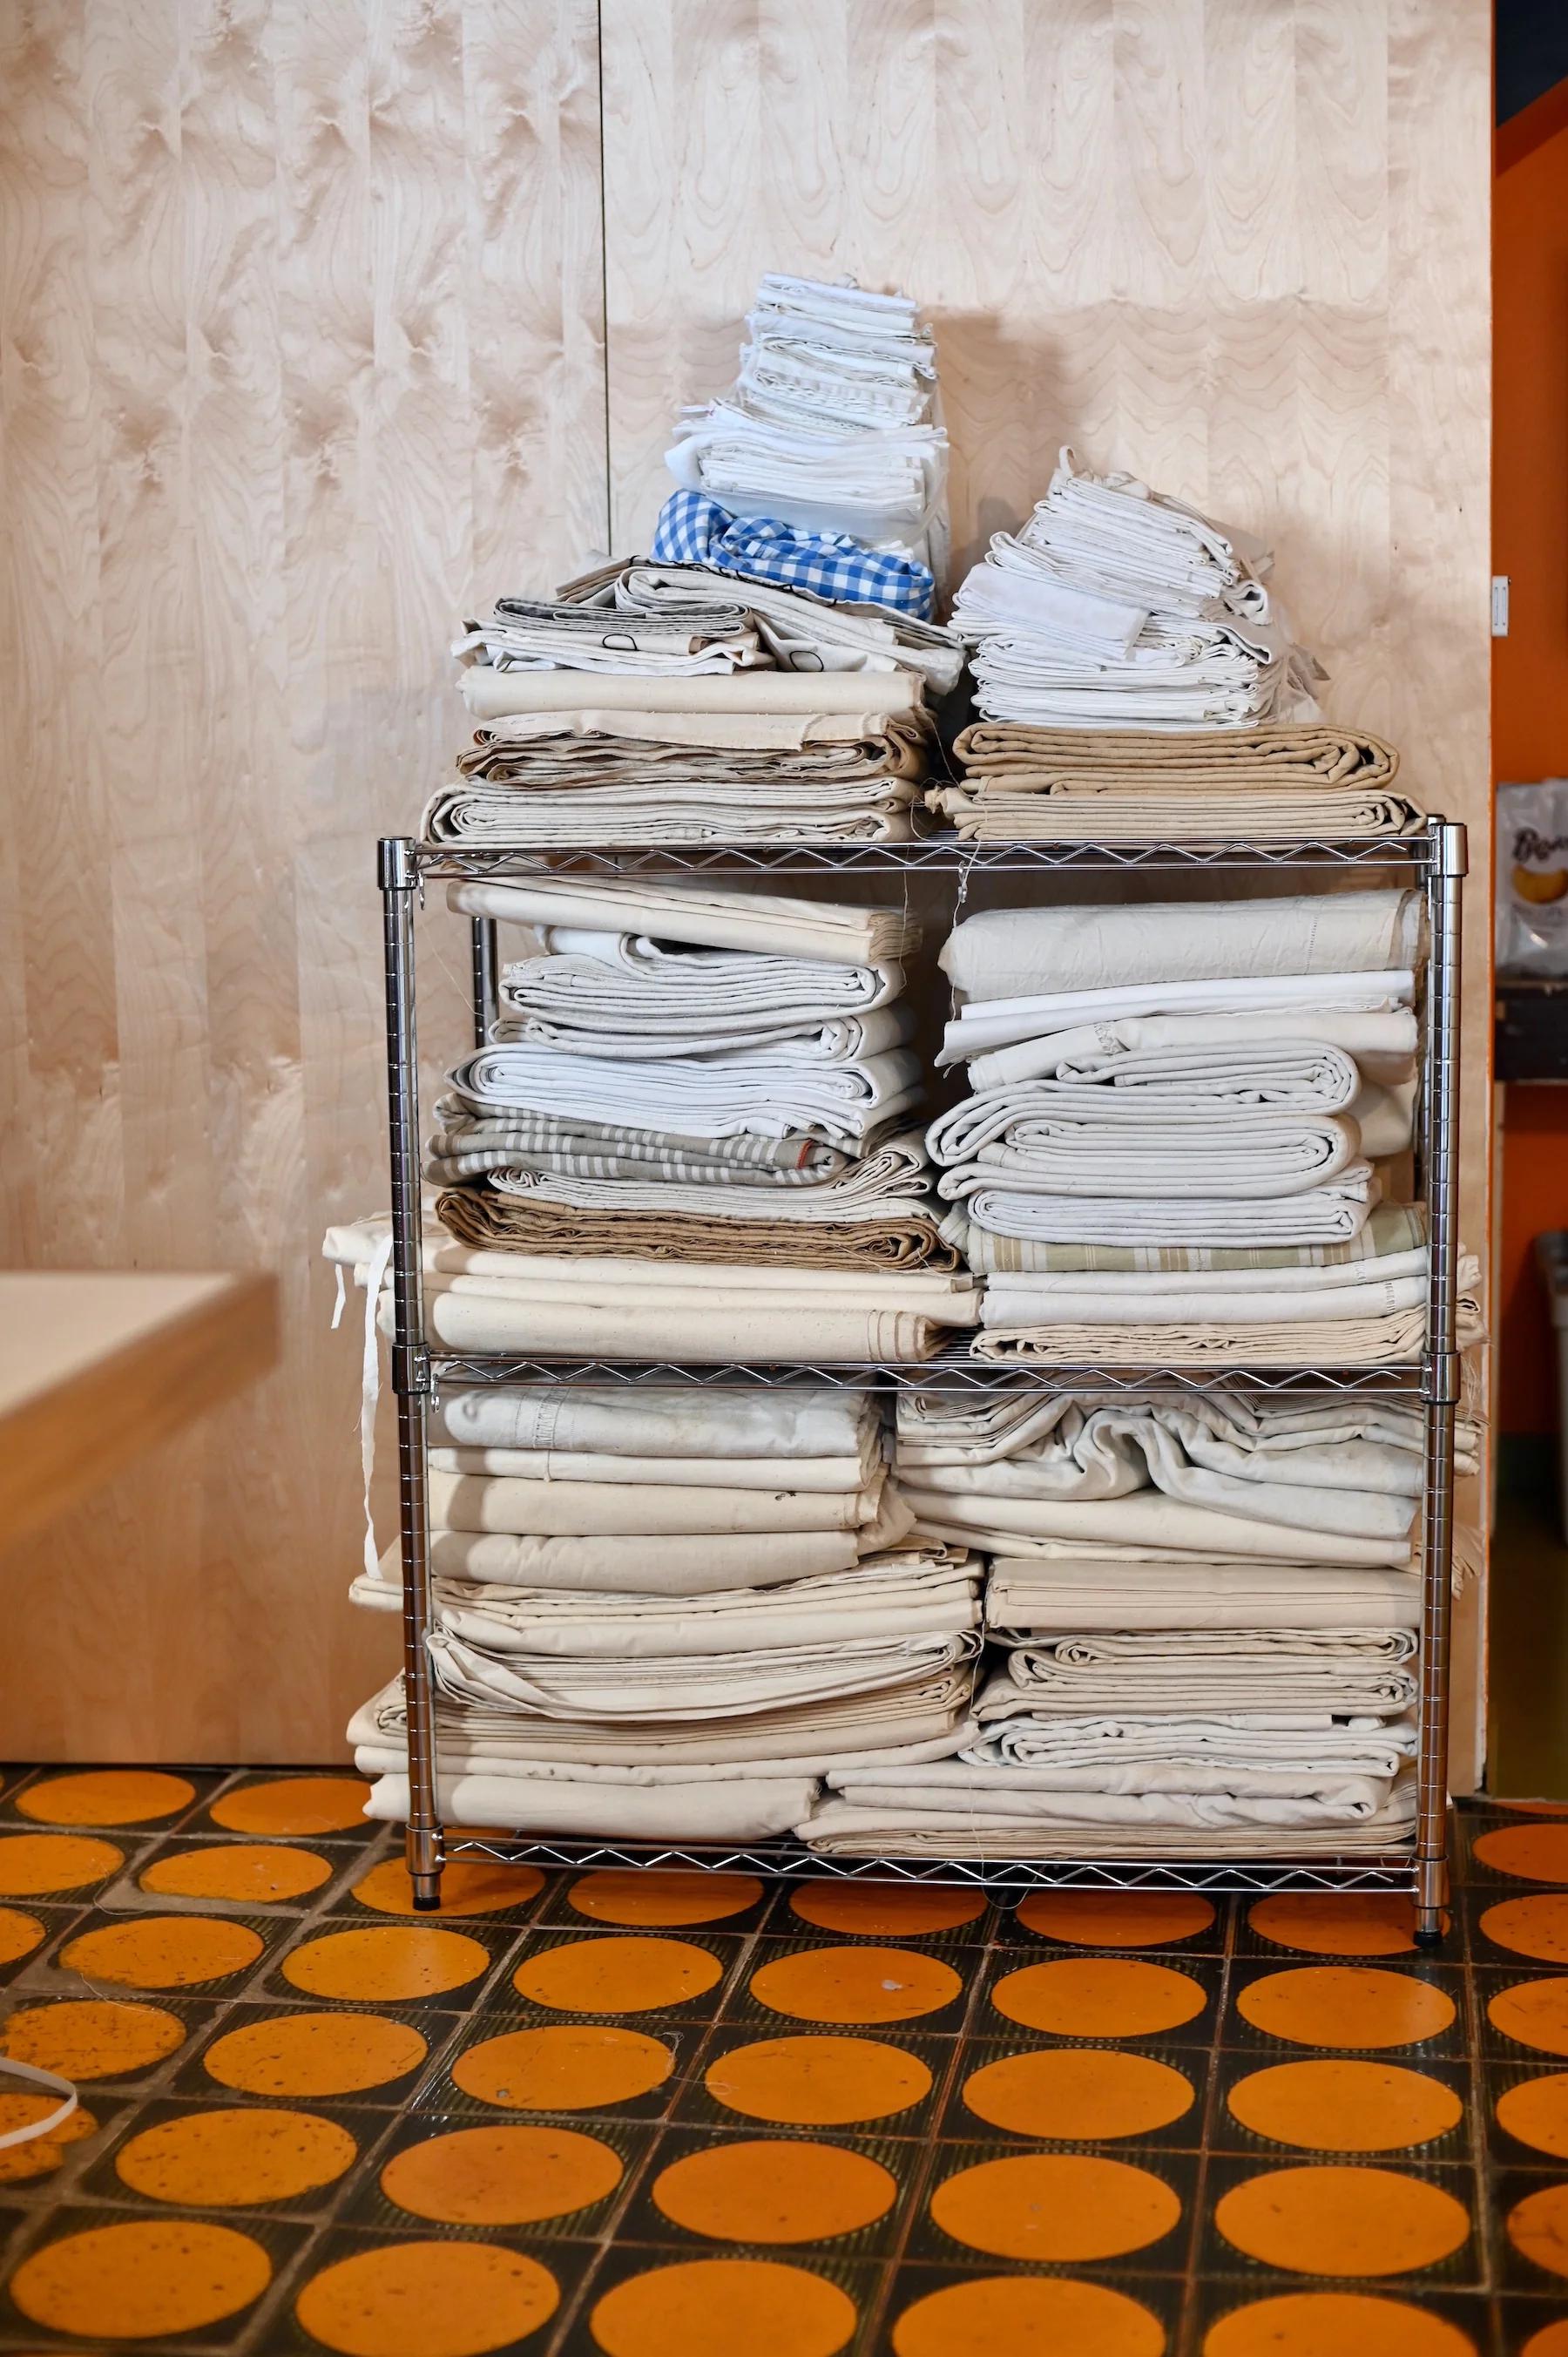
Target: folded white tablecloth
(707, 917)
(747, 1807)
(1148, 1518)
(797, 1421)
(492, 695)
(1023, 1598)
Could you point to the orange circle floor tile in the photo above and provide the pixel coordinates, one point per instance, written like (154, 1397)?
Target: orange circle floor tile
(294, 1805)
(314, 2054)
(142, 2279)
(33, 1865)
(611, 1975)
(1080, 2094)
(856, 1984)
(428, 2299)
(1354, 1923)
(1536, 2112)
(562, 2068)
(1342, 2222)
(162, 1952)
(40, 2156)
(258, 1873)
(1532, 1853)
(1332, 2105)
(711, 2307)
(469, 1887)
(777, 2190)
(1099, 1996)
(1346, 2005)
(1536, 1926)
(1036, 2316)
(884, 1910)
(818, 2083)
(1055, 2206)
(1533, 2012)
(1551, 2341)
(1335, 2324)
(387, 1963)
(19, 1934)
(502, 2176)
(106, 1796)
(661, 1899)
(1538, 2227)
(216, 2160)
(91, 2037)
(1115, 1919)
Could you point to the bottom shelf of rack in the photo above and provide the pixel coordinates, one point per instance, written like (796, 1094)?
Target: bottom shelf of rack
(1393, 1871)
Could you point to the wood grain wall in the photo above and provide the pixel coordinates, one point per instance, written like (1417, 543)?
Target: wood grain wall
(320, 323)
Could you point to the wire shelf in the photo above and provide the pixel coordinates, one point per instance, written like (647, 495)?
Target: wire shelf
(1387, 1870)
(941, 855)
(951, 1370)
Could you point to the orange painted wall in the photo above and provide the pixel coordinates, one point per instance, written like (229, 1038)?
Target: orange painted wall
(1529, 694)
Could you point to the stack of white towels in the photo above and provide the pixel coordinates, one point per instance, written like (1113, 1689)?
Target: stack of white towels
(1117, 606)
(1202, 1614)
(1182, 1119)
(765, 676)
(666, 1614)
(833, 424)
(693, 1136)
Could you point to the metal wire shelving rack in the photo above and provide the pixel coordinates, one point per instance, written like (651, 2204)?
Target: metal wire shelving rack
(1435, 860)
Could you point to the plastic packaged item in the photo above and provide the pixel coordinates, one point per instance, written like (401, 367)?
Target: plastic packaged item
(1532, 877)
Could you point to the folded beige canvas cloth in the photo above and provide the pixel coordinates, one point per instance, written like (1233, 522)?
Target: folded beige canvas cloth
(1331, 1213)
(1195, 1671)
(477, 1214)
(833, 1477)
(926, 1716)
(796, 1421)
(836, 1829)
(711, 918)
(1022, 953)
(885, 1597)
(1393, 1339)
(663, 1563)
(770, 1330)
(1148, 1518)
(1224, 1743)
(689, 1689)
(492, 695)
(746, 1807)
(555, 1509)
(1025, 1598)
(500, 819)
(1286, 781)
(1391, 1229)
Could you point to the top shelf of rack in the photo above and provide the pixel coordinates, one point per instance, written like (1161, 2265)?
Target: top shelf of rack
(929, 855)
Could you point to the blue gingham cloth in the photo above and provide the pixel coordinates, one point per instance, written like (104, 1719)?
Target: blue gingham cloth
(694, 530)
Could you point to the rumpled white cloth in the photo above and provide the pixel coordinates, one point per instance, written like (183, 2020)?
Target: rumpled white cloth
(1124, 945)
(705, 917)
(803, 633)
(1169, 1526)
(630, 984)
(1117, 606)
(1367, 1014)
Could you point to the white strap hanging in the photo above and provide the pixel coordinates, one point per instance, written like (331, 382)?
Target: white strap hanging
(32, 2130)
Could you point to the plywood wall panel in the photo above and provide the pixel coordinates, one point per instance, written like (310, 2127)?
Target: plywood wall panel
(300, 358)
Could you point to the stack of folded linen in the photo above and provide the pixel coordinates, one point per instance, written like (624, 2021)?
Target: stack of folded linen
(828, 450)
(663, 1614)
(1187, 1083)
(1115, 785)
(800, 630)
(718, 1086)
(1118, 608)
(592, 779)
(1203, 1620)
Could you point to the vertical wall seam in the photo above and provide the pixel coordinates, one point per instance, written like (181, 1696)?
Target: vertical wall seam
(605, 281)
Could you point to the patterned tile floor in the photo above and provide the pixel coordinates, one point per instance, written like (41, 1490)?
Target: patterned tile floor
(683, 2116)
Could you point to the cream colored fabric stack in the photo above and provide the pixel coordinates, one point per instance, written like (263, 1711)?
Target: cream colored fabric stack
(664, 1614)
(692, 1134)
(1188, 1128)
(1202, 1617)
